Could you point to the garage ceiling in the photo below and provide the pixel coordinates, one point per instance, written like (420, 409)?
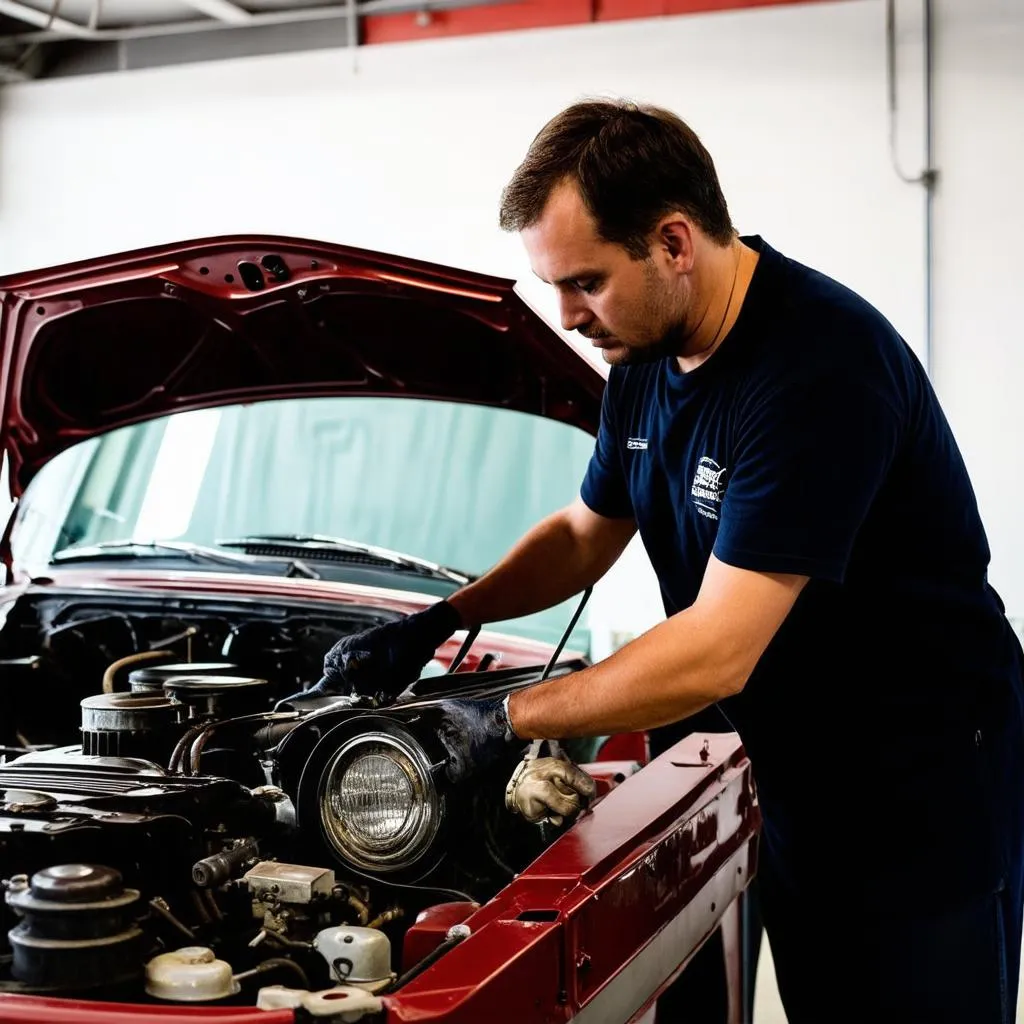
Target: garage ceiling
(47, 38)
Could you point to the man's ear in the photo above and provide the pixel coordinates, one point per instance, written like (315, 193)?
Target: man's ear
(675, 238)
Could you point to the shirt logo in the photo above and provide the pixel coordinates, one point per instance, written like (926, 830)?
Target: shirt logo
(636, 444)
(708, 487)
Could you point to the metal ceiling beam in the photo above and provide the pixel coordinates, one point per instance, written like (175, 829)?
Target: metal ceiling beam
(63, 29)
(87, 49)
(222, 10)
(55, 27)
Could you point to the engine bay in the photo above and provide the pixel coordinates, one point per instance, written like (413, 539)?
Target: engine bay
(173, 830)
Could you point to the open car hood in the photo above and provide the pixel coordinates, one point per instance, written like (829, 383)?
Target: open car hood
(99, 344)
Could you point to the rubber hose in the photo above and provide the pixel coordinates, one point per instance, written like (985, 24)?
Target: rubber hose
(131, 659)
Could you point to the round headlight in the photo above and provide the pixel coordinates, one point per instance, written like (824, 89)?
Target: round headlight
(378, 804)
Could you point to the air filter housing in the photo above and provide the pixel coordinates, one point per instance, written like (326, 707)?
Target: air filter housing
(218, 696)
(151, 679)
(130, 725)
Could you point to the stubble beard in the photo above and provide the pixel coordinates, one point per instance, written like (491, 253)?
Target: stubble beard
(668, 310)
(668, 345)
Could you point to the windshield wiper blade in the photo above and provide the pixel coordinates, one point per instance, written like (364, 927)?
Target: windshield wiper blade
(312, 543)
(195, 552)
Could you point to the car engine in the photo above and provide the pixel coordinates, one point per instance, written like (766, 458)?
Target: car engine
(172, 830)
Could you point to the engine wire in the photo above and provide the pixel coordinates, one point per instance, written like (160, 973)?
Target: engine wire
(464, 897)
(267, 935)
(269, 965)
(159, 904)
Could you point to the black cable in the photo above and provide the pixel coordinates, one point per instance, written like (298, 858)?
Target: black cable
(464, 897)
(271, 964)
(568, 631)
(450, 942)
(281, 961)
(161, 907)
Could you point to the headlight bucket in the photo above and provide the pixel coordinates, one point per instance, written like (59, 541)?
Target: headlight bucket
(368, 787)
(379, 807)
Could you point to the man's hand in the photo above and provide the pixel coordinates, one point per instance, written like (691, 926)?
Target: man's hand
(387, 658)
(549, 789)
(475, 733)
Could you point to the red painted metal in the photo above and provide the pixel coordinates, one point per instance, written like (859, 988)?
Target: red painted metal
(465, 21)
(626, 746)
(429, 929)
(40, 1010)
(666, 852)
(608, 774)
(66, 375)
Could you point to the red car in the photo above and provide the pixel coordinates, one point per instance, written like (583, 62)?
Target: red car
(225, 454)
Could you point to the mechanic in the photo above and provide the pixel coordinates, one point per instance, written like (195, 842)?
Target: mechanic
(822, 563)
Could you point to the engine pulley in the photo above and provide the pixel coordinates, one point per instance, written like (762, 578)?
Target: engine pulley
(77, 929)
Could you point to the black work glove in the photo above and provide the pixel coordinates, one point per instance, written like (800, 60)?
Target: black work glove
(386, 659)
(475, 733)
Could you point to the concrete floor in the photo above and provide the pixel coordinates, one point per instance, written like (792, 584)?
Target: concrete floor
(768, 1006)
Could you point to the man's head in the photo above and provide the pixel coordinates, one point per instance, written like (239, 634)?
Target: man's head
(620, 208)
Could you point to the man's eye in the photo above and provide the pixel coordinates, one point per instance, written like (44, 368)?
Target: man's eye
(587, 285)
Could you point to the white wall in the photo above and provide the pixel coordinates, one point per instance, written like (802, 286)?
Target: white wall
(405, 148)
(978, 363)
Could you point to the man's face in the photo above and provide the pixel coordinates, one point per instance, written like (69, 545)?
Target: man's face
(633, 310)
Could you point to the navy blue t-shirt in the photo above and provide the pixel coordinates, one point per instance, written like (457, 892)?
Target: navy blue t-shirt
(883, 721)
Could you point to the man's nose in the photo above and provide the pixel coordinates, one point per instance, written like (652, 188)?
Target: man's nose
(573, 313)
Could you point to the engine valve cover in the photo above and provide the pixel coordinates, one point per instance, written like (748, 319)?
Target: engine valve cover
(115, 811)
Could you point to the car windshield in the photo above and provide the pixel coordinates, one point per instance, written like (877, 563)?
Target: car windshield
(451, 483)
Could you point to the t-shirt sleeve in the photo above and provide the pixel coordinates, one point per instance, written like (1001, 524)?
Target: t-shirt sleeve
(604, 489)
(809, 458)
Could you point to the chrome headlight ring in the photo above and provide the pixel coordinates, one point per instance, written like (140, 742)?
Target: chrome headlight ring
(378, 803)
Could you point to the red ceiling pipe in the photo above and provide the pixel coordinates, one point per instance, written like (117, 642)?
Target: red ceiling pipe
(468, 21)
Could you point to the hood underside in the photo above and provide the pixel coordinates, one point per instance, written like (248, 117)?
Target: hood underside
(100, 344)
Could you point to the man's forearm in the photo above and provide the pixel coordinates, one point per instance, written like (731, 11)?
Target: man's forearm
(693, 659)
(553, 561)
(663, 676)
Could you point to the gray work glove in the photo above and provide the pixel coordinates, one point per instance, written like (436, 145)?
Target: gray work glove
(549, 789)
(386, 659)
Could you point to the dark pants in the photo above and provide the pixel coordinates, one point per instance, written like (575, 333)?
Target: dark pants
(952, 964)
(839, 961)
(941, 947)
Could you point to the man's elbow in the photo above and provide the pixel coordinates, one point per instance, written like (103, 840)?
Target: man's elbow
(732, 678)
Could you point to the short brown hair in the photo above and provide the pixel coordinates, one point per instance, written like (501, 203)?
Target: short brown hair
(632, 164)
